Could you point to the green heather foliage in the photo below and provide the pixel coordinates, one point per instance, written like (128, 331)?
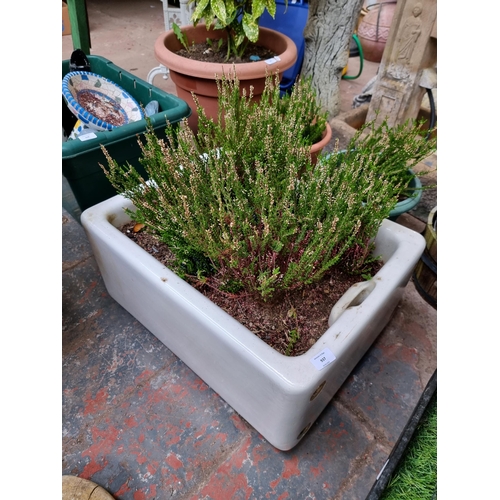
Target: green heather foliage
(302, 103)
(242, 205)
(391, 150)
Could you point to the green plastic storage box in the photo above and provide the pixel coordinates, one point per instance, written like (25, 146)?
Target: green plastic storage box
(80, 159)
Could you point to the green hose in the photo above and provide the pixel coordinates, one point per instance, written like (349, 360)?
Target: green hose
(358, 43)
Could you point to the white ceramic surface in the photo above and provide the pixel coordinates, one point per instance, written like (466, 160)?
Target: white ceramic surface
(279, 396)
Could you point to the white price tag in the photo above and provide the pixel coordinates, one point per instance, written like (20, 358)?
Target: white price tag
(324, 358)
(272, 60)
(86, 137)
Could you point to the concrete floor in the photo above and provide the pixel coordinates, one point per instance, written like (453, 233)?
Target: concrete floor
(142, 425)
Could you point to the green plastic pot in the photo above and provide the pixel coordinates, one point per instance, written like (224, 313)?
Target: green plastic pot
(80, 159)
(408, 203)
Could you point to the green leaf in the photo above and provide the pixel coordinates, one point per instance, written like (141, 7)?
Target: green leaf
(200, 7)
(239, 39)
(239, 35)
(258, 8)
(218, 25)
(219, 9)
(177, 31)
(271, 6)
(231, 12)
(250, 27)
(180, 36)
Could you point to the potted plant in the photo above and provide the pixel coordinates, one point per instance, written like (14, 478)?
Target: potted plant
(230, 28)
(299, 107)
(394, 151)
(254, 228)
(302, 105)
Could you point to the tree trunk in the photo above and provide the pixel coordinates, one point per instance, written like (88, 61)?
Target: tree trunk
(328, 32)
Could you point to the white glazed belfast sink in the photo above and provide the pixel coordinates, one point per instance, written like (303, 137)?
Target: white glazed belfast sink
(279, 396)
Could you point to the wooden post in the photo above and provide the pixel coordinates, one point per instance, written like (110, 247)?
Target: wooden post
(79, 25)
(411, 50)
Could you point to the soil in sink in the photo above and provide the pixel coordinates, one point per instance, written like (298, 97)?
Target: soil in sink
(291, 324)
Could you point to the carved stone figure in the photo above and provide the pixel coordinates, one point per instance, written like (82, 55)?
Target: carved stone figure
(411, 31)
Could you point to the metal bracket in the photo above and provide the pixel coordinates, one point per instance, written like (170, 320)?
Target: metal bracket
(158, 70)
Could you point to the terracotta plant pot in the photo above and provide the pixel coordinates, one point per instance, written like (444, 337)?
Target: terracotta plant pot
(199, 77)
(373, 30)
(318, 146)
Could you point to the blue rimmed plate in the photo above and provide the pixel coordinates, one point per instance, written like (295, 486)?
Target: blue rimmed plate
(98, 102)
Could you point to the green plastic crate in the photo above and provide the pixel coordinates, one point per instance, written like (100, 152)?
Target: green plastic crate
(80, 159)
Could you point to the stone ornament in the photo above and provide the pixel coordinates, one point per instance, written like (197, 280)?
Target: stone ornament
(77, 488)
(412, 28)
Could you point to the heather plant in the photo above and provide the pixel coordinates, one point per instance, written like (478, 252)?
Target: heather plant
(393, 151)
(241, 206)
(302, 103)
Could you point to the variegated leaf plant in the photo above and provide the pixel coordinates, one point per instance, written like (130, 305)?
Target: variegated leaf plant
(239, 18)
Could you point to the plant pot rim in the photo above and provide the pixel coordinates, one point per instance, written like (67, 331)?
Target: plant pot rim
(167, 45)
(410, 202)
(327, 135)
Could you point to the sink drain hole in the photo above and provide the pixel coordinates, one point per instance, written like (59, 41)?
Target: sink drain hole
(318, 390)
(304, 430)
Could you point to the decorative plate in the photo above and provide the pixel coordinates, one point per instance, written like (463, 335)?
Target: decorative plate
(98, 102)
(79, 129)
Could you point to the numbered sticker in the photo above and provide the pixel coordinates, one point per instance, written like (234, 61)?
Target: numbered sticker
(86, 137)
(324, 358)
(273, 60)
